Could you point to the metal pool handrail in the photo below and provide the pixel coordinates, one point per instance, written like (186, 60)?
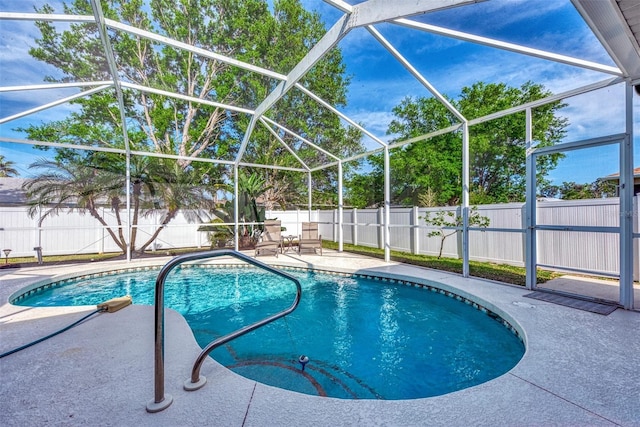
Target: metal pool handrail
(162, 401)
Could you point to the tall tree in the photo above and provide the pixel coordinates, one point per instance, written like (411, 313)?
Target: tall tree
(497, 147)
(273, 36)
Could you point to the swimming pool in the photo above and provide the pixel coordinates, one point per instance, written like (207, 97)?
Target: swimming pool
(365, 338)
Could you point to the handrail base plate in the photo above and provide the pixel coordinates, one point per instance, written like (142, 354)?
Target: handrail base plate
(190, 386)
(154, 406)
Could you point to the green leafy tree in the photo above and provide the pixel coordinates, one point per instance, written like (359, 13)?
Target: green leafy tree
(7, 168)
(497, 147)
(573, 191)
(449, 222)
(301, 114)
(270, 35)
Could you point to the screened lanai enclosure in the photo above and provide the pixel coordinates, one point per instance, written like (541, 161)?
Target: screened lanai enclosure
(133, 126)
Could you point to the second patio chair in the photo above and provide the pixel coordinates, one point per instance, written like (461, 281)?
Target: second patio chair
(310, 238)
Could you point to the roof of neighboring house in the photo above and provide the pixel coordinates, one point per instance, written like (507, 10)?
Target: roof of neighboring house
(616, 176)
(11, 192)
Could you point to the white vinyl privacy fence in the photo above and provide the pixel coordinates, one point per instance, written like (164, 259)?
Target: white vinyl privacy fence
(501, 242)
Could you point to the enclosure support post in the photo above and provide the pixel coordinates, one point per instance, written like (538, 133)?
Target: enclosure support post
(309, 194)
(340, 219)
(626, 205)
(465, 199)
(113, 70)
(236, 228)
(387, 205)
(531, 245)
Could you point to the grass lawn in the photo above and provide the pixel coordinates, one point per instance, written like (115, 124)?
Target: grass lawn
(500, 272)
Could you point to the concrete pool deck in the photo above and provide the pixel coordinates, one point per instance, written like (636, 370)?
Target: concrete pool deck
(579, 369)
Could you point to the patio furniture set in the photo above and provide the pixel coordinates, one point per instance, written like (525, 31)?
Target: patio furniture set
(272, 240)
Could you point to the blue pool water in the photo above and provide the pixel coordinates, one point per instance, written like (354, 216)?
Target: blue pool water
(365, 338)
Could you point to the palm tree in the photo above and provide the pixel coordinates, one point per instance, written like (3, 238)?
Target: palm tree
(6, 168)
(250, 188)
(157, 186)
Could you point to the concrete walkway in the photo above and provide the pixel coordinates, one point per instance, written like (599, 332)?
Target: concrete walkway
(580, 368)
(600, 289)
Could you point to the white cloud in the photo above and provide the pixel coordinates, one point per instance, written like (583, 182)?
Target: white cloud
(595, 114)
(29, 5)
(495, 14)
(375, 122)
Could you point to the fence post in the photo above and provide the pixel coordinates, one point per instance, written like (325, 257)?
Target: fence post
(354, 232)
(37, 235)
(414, 230)
(380, 228)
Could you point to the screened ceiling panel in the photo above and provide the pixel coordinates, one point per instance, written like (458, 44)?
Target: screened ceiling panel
(376, 32)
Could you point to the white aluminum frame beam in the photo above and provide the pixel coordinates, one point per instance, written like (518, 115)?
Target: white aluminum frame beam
(119, 151)
(284, 144)
(465, 199)
(275, 167)
(375, 11)
(54, 103)
(626, 206)
(564, 95)
(387, 205)
(426, 136)
(189, 48)
(341, 5)
(576, 145)
(45, 86)
(187, 98)
(564, 59)
(62, 145)
(367, 13)
(53, 17)
(531, 237)
(306, 141)
(340, 209)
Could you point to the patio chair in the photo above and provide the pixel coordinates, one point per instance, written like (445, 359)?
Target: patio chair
(310, 239)
(270, 239)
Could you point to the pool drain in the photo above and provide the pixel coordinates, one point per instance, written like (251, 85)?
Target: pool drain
(303, 361)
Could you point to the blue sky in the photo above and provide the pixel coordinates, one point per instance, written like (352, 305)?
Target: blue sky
(379, 82)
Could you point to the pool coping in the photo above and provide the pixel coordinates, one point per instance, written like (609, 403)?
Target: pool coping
(577, 368)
